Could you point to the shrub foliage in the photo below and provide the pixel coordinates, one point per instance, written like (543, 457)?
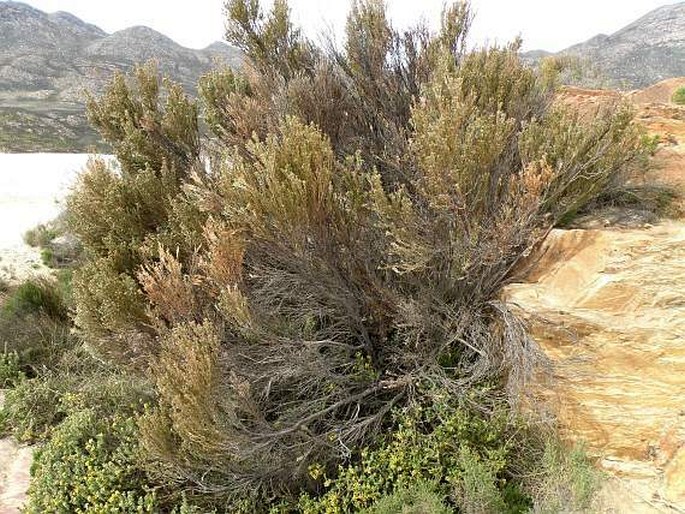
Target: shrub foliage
(679, 96)
(459, 455)
(89, 465)
(335, 247)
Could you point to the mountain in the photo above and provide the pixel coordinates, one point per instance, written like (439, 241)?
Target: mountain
(49, 60)
(645, 52)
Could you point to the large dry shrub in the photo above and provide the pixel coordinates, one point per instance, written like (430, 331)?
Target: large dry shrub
(343, 255)
(122, 211)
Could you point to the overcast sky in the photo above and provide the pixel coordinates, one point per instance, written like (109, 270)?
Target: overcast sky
(544, 24)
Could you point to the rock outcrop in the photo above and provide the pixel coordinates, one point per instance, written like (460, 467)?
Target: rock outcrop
(607, 305)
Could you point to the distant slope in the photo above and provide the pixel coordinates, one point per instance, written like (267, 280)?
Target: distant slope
(47, 61)
(645, 52)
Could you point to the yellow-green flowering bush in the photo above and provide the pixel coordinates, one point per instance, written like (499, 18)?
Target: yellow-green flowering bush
(89, 466)
(452, 453)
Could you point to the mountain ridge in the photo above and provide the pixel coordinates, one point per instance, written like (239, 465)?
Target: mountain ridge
(48, 61)
(644, 52)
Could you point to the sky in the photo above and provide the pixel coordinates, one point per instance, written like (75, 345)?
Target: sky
(544, 24)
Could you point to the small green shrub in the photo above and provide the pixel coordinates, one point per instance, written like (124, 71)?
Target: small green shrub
(35, 407)
(38, 340)
(467, 453)
(59, 248)
(90, 465)
(10, 371)
(64, 281)
(35, 325)
(567, 480)
(417, 499)
(37, 296)
(47, 257)
(679, 96)
(651, 143)
(40, 236)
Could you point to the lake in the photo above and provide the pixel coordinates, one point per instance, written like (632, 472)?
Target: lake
(31, 189)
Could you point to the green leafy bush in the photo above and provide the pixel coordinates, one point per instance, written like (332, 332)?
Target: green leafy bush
(36, 296)
(462, 454)
(89, 465)
(417, 499)
(679, 96)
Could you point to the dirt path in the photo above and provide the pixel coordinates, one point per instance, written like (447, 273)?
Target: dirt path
(15, 463)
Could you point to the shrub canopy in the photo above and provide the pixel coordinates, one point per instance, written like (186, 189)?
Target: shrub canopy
(679, 96)
(334, 248)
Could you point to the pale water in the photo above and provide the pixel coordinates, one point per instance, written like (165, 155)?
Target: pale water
(31, 189)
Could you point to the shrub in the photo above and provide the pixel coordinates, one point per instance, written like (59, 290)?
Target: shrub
(88, 465)
(47, 256)
(64, 281)
(38, 340)
(365, 206)
(35, 407)
(458, 454)
(40, 236)
(10, 369)
(417, 499)
(566, 480)
(679, 96)
(36, 296)
(121, 213)
(34, 324)
(59, 249)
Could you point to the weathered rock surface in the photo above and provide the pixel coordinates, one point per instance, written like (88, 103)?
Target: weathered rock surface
(607, 305)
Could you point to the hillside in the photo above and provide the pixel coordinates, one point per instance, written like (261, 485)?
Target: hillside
(47, 61)
(647, 51)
